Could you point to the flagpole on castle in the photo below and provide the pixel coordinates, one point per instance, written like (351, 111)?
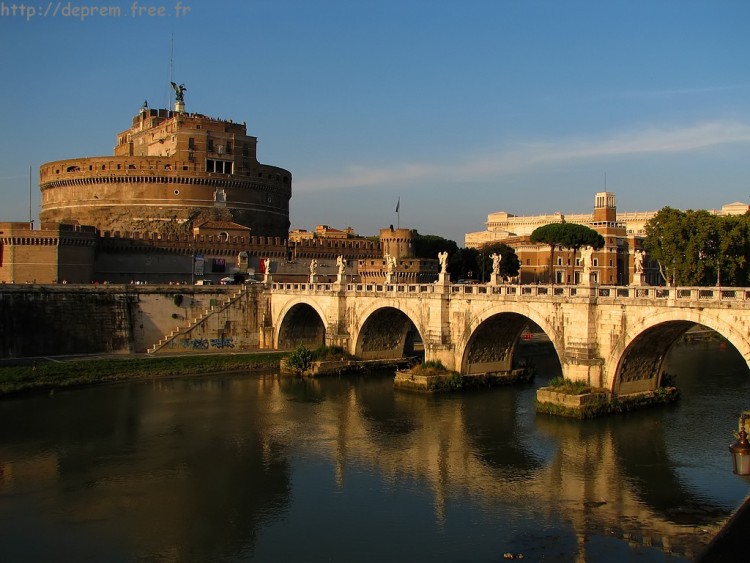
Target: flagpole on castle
(398, 215)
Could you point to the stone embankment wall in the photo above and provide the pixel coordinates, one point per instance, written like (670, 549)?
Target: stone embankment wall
(50, 320)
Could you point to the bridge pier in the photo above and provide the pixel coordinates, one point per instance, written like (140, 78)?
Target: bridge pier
(440, 352)
(583, 364)
(581, 359)
(338, 339)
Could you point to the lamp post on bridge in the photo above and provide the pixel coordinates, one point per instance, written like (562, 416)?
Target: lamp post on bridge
(741, 450)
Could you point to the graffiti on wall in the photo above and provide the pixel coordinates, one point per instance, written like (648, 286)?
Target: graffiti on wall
(207, 343)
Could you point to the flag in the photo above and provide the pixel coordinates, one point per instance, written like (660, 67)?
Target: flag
(398, 204)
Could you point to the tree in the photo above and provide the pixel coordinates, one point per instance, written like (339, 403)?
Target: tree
(510, 265)
(566, 235)
(699, 248)
(428, 246)
(464, 264)
(666, 242)
(734, 251)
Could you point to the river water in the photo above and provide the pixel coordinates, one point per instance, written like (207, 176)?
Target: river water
(256, 467)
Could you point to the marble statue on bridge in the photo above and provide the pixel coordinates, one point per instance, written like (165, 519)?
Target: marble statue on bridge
(496, 259)
(640, 255)
(341, 264)
(443, 258)
(586, 258)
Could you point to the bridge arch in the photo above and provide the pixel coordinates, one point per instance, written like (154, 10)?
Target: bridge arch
(300, 322)
(386, 331)
(489, 342)
(637, 362)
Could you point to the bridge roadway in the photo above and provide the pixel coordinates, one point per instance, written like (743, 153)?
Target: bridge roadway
(614, 337)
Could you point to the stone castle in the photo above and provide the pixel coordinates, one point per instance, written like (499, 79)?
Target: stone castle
(182, 198)
(171, 171)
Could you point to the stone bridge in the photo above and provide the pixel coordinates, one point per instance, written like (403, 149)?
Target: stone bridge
(612, 337)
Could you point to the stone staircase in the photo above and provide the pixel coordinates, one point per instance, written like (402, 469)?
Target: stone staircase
(207, 314)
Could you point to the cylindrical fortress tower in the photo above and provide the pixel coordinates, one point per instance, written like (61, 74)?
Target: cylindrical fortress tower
(169, 171)
(398, 243)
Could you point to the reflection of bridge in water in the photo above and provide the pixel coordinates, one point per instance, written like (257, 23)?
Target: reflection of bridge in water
(595, 478)
(613, 337)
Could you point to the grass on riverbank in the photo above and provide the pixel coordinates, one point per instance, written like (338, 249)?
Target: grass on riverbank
(57, 375)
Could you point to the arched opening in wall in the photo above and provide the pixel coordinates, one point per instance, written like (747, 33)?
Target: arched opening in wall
(673, 454)
(389, 334)
(301, 326)
(642, 366)
(656, 357)
(507, 342)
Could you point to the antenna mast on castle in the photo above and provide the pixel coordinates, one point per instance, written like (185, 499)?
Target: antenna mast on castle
(171, 70)
(31, 221)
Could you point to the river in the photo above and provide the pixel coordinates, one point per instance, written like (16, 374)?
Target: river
(254, 467)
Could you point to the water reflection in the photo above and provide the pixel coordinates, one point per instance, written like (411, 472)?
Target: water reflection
(166, 471)
(255, 468)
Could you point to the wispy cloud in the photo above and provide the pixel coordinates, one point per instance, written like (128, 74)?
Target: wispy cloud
(522, 156)
(673, 92)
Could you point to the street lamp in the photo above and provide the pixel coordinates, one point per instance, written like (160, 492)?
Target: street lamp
(741, 451)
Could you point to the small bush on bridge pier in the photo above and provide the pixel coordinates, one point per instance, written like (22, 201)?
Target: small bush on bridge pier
(300, 359)
(430, 368)
(324, 352)
(570, 387)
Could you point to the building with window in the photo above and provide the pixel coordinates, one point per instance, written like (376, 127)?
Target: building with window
(171, 170)
(623, 235)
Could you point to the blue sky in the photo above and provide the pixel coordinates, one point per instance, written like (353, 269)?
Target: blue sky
(457, 108)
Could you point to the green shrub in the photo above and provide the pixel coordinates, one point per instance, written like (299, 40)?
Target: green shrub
(324, 352)
(300, 359)
(430, 368)
(456, 381)
(570, 387)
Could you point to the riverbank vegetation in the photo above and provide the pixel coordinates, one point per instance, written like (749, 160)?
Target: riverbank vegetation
(301, 358)
(49, 376)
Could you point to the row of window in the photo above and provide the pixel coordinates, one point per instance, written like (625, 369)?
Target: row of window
(594, 262)
(226, 148)
(219, 166)
(212, 165)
